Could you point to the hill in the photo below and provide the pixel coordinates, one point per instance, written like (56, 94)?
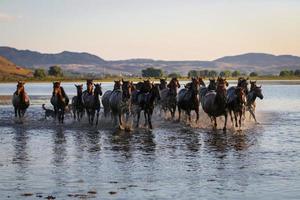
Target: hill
(89, 63)
(10, 70)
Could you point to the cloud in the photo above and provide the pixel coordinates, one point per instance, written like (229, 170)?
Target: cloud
(4, 17)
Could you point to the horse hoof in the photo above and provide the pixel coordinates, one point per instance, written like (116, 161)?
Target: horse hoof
(121, 128)
(224, 129)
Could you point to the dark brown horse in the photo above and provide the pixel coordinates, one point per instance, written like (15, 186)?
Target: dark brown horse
(236, 104)
(188, 99)
(214, 103)
(59, 100)
(162, 84)
(77, 103)
(20, 100)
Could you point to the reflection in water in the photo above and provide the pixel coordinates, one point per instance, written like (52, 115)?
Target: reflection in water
(21, 157)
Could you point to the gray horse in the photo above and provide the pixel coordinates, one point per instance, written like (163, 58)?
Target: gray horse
(119, 103)
(214, 102)
(106, 96)
(168, 96)
(251, 97)
(20, 100)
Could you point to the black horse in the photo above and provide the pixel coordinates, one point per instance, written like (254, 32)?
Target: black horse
(188, 99)
(77, 103)
(144, 99)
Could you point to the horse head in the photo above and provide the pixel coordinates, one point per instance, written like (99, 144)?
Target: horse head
(147, 86)
(212, 84)
(20, 87)
(240, 93)
(79, 89)
(98, 89)
(117, 85)
(258, 92)
(173, 85)
(126, 89)
(195, 85)
(89, 86)
(222, 82)
(163, 83)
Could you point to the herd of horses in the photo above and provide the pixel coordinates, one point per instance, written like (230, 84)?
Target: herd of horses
(128, 99)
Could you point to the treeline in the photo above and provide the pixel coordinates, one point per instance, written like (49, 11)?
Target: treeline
(290, 73)
(156, 73)
(41, 73)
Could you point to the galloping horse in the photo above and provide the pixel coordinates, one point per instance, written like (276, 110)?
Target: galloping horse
(145, 101)
(255, 91)
(106, 95)
(20, 100)
(162, 84)
(236, 103)
(120, 102)
(77, 103)
(91, 100)
(169, 97)
(214, 102)
(59, 100)
(188, 99)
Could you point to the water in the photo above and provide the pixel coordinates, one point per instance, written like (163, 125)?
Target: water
(174, 161)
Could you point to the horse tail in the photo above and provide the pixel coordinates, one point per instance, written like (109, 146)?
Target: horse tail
(43, 106)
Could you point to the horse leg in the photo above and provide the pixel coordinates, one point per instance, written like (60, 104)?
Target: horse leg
(74, 113)
(252, 114)
(149, 119)
(97, 117)
(145, 116)
(19, 113)
(240, 120)
(179, 113)
(225, 123)
(235, 118)
(62, 115)
(197, 114)
(138, 118)
(120, 120)
(230, 113)
(16, 115)
(215, 120)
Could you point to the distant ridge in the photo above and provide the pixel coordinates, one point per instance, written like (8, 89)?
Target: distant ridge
(89, 63)
(29, 58)
(7, 68)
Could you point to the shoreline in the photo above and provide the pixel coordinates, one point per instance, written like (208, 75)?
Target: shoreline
(137, 79)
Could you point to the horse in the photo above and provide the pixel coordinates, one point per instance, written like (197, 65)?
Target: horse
(59, 100)
(236, 103)
(255, 92)
(77, 103)
(169, 97)
(145, 102)
(188, 99)
(106, 95)
(162, 83)
(91, 101)
(214, 102)
(20, 100)
(120, 102)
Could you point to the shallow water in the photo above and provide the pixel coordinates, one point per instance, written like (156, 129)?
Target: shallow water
(174, 161)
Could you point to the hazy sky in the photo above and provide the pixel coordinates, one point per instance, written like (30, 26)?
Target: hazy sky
(159, 29)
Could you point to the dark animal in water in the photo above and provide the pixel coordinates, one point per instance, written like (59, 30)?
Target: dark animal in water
(168, 96)
(120, 102)
(48, 112)
(144, 100)
(59, 100)
(188, 99)
(106, 95)
(162, 84)
(255, 92)
(20, 100)
(214, 103)
(91, 101)
(236, 100)
(77, 103)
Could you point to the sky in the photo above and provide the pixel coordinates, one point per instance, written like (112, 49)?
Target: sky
(158, 29)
